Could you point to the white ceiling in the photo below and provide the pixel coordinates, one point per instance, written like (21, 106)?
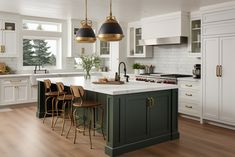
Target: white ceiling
(124, 10)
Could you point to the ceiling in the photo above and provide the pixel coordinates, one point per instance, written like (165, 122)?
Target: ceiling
(124, 10)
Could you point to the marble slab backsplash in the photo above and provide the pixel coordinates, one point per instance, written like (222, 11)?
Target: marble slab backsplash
(171, 59)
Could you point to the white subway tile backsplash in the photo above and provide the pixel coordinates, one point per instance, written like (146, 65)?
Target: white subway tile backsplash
(171, 59)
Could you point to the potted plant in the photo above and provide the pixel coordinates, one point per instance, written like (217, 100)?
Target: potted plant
(88, 62)
(136, 67)
(142, 69)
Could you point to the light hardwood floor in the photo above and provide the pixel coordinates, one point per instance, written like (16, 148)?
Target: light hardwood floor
(24, 135)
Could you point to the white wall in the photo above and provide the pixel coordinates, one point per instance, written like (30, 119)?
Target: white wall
(171, 59)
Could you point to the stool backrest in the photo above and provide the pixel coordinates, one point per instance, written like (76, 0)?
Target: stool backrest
(47, 85)
(60, 87)
(77, 91)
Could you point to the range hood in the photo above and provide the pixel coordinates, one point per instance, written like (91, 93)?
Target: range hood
(177, 40)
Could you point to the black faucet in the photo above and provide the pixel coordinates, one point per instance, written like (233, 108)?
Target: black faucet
(125, 75)
(39, 69)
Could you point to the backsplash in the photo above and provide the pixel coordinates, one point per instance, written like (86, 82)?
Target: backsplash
(11, 62)
(171, 59)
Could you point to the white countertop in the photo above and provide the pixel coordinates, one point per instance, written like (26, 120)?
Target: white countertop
(127, 88)
(188, 79)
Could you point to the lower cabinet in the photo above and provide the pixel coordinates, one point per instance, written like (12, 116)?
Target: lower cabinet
(14, 91)
(33, 93)
(147, 115)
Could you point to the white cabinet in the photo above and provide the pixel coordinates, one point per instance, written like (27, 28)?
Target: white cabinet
(33, 93)
(134, 48)
(8, 38)
(219, 75)
(103, 48)
(14, 91)
(190, 97)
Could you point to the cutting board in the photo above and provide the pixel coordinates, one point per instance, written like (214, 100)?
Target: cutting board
(110, 82)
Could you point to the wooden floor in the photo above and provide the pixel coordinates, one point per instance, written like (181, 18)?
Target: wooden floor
(23, 135)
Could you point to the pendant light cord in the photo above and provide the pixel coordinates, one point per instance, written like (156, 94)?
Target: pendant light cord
(86, 11)
(111, 8)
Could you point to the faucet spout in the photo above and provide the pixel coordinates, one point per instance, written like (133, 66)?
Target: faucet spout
(125, 75)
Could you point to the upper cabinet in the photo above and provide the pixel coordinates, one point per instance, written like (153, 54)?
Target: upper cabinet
(134, 37)
(103, 48)
(8, 38)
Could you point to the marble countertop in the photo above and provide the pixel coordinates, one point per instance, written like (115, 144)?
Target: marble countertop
(127, 88)
(188, 79)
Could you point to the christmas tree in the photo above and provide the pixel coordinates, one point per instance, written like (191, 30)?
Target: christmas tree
(28, 53)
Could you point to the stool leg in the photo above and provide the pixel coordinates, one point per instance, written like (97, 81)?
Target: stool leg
(57, 113)
(75, 126)
(72, 121)
(63, 111)
(52, 112)
(90, 134)
(93, 117)
(45, 109)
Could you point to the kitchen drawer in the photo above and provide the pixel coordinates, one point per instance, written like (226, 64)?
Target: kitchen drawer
(191, 85)
(218, 16)
(15, 81)
(189, 109)
(219, 28)
(189, 95)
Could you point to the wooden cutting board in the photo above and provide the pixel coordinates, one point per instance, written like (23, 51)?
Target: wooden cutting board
(2, 67)
(110, 82)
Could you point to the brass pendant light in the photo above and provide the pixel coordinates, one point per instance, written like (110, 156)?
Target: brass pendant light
(110, 29)
(85, 34)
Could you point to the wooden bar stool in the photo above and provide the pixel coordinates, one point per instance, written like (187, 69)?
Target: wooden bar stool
(80, 102)
(66, 101)
(49, 95)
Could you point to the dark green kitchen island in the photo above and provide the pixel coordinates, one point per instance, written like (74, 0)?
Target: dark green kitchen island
(137, 114)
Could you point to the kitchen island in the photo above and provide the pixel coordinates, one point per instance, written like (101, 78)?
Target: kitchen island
(138, 114)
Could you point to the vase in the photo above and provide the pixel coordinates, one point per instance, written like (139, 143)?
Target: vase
(87, 75)
(142, 71)
(136, 71)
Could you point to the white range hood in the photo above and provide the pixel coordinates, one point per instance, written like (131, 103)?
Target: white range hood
(165, 41)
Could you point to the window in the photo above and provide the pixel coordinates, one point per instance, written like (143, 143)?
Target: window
(41, 44)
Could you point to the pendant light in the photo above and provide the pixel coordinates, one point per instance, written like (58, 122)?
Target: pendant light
(110, 29)
(85, 34)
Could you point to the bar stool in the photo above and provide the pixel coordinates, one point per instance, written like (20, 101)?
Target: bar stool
(49, 95)
(66, 101)
(80, 102)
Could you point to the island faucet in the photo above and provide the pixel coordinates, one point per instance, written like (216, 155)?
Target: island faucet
(125, 75)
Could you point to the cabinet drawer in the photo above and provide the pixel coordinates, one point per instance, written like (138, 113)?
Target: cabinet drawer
(188, 95)
(15, 81)
(219, 28)
(189, 85)
(218, 16)
(187, 108)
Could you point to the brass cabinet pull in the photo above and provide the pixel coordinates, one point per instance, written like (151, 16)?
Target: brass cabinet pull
(148, 102)
(2, 48)
(153, 101)
(188, 94)
(220, 70)
(189, 85)
(188, 106)
(217, 71)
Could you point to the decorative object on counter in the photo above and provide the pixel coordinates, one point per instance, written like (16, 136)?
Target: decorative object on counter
(149, 69)
(88, 62)
(110, 29)
(142, 69)
(4, 69)
(85, 34)
(136, 67)
(109, 81)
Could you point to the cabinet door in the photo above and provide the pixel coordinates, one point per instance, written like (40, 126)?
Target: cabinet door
(210, 80)
(9, 38)
(136, 116)
(34, 93)
(21, 93)
(227, 108)
(8, 93)
(160, 114)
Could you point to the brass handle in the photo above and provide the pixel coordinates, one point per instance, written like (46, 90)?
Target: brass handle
(220, 70)
(2, 48)
(189, 85)
(153, 101)
(217, 71)
(188, 106)
(15, 81)
(148, 102)
(188, 94)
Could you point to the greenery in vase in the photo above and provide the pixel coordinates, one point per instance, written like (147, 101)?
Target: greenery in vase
(88, 62)
(136, 66)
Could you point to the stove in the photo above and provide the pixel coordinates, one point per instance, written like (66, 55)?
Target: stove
(161, 78)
